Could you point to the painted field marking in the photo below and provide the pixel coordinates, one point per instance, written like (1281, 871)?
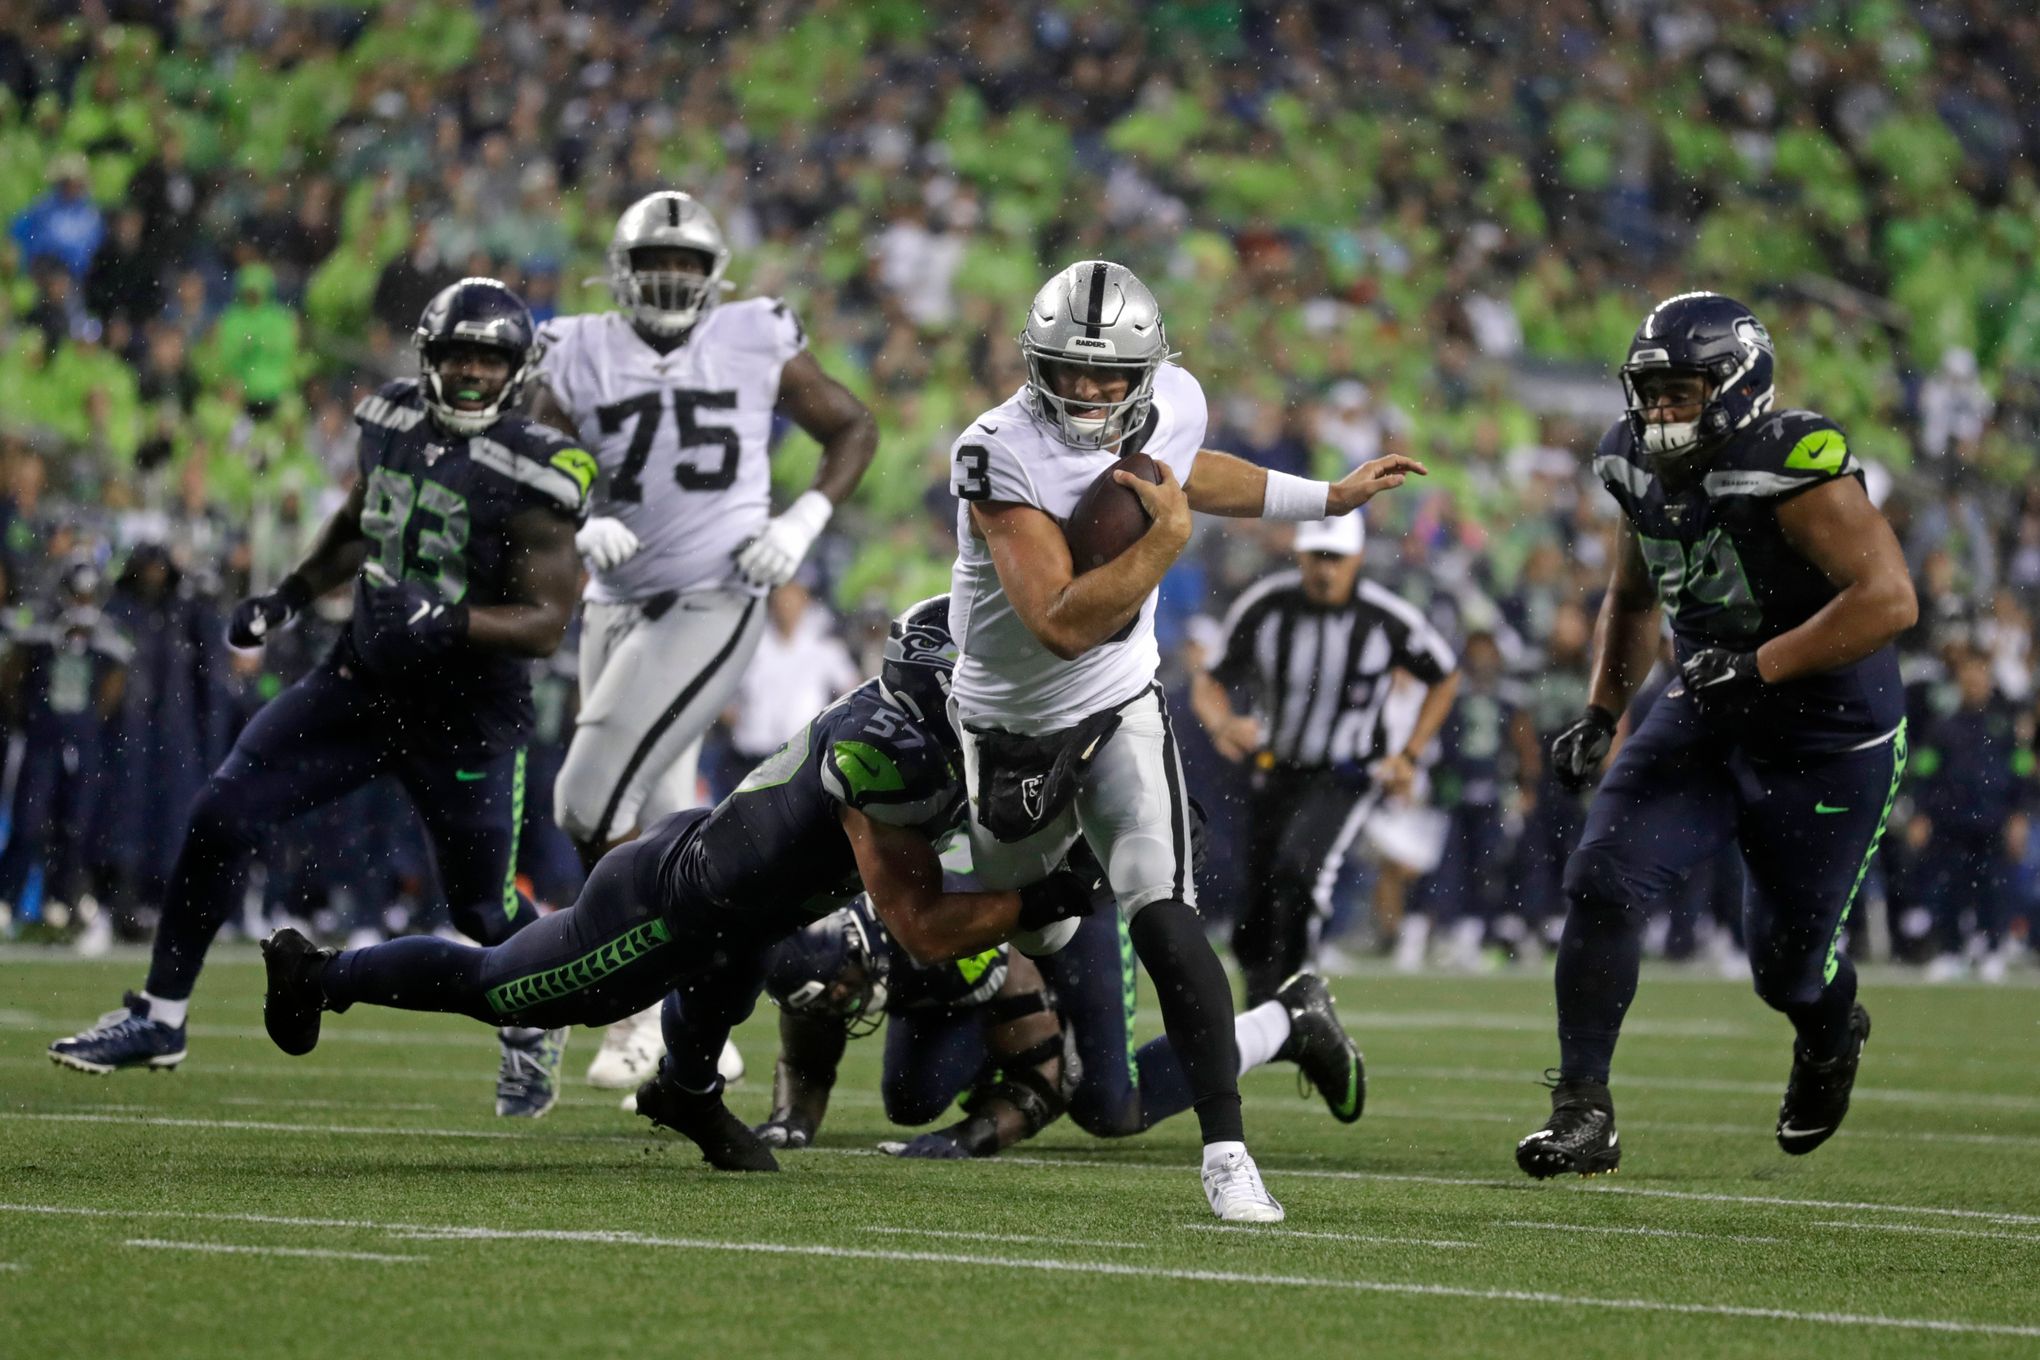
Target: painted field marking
(1937, 1232)
(350, 1130)
(1752, 1129)
(237, 1249)
(1008, 1237)
(1634, 1232)
(1440, 1242)
(1891, 1095)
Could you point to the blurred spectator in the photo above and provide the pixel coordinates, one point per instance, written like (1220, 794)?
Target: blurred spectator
(64, 225)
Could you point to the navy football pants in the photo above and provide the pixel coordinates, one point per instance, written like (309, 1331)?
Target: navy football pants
(1679, 793)
(321, 738)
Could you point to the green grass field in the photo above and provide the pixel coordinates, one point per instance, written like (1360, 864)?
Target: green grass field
(364, 1201)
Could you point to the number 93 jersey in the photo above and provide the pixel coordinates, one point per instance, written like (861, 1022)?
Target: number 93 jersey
(680, 437)
(1004, 676)
(1728, 577)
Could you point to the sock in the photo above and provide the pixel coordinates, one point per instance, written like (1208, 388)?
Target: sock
(1214, 1153)
(1196, 1004)
(415, 973)
(1260, 1033)
(1823, 1027)
(1599, 953)
(167, 1012)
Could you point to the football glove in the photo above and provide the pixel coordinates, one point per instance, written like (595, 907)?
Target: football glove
(771, 556)
(408, 620)
(1716, 672)
(606, 543)
(1062, 896)
(1577, 752)
(256, 617)
(789, 1131)
(938, 1145)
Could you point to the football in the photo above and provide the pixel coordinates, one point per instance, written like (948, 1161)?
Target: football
(1109, 518)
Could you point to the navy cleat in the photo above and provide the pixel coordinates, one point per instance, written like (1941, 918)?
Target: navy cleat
(123, 1038)
(1817, 1095)
(1579, 1137)
(726, 1142)
(291, 1005)
(529, 1083)
(1324, 1054)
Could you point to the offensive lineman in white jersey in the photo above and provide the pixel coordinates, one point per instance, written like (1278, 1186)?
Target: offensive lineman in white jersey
(1064, 727)
(675, 397)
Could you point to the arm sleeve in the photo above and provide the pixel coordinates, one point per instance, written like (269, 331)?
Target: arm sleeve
(785, 336)
(983, 469)
(1183, 417)
(548, 470)
(555, 364)
(1797, 452)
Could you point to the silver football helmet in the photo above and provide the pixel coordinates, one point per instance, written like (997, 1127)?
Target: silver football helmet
(666, 301)
(1094, 315)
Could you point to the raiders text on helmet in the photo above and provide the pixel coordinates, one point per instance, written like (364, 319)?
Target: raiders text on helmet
(1715, 338)
(1093, 315)
(666, 301)
(475, 311)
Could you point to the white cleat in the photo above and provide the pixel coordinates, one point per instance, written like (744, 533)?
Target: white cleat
(1233, 1185)
(730, 1066)
(630, 1053)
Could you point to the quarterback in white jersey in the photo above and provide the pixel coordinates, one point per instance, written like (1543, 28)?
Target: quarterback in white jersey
(1063, 725)
(675, 395)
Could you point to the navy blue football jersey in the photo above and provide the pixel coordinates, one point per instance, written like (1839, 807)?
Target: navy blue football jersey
(1474, 754)
(774, 850)
(437, 508)
(1728, 577)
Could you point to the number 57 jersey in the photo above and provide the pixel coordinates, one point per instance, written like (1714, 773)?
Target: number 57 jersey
(680, 437)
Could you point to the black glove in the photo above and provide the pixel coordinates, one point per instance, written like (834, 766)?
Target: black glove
(1577, 752)
(1059, 897)
(788, 1131)
(258, 616)
(1715, 673)
(937, 1145)
(408, 620)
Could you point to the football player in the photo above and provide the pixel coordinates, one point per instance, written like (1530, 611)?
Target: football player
(952, 1026)
(1064, 727)
(1784, 733)
(676, 398)
(459, 538)
(854, 801)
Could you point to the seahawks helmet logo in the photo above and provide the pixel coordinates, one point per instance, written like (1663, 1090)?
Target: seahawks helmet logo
(1751, 332)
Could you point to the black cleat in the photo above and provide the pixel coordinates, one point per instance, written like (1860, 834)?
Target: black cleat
(291, 1005)
(1323, 1052)
(1817, 1095)
(726, 1142)
(1579, 1137)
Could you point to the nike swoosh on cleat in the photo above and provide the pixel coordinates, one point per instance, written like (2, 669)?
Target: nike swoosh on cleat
(1345, 1109)
(1822, 807)
(1787, 1131)
(470, 776)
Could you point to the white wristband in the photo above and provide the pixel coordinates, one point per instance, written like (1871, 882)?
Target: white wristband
(811, 511)
(1290, 497)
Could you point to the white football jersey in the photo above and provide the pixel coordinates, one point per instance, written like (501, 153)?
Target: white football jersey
(680, 437)
(1004, 677)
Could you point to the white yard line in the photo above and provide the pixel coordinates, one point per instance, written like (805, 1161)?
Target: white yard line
(351, 1130)
(236, 1249)
(1058, 1266)
(1917, 1228)
(1441, 1242)
(1891, 1095)
(1633, 1232)
(1008, 1237)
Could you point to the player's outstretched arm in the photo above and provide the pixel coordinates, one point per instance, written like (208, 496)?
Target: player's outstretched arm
(1835, 527)
(1626, 633)
(1222, 484)
(810, 1050)
(545, 575)
(903, 877)
(337, 553)
(848, 434)
(1071, 614)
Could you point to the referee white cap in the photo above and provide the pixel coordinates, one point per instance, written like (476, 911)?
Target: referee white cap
(1344, 535)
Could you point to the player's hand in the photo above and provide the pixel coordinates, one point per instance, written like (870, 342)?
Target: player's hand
(938, 1145)
(1167, 505)
(774, 554)
(1062, 896)
(787, 1131)
(1365, 482)
(1577, 752)
(606, 543)
(1238, 737)
(1396, 774)
(258, 616)
(1716, 672)
(409, 617)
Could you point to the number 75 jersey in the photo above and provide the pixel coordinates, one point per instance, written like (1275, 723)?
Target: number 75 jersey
(680, 437)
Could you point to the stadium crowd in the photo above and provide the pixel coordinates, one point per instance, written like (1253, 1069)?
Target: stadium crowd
(1428, 227)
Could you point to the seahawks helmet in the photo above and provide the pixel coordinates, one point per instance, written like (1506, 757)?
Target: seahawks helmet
(1093, 315)
(835, 968)
(920, 658)
(666, 302)
(1721, 341)
(483, 312)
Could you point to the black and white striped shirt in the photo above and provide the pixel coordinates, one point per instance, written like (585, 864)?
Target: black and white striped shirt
(1320, 674)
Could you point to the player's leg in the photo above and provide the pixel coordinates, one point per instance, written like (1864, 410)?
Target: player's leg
(1666, 806)
(1809, 831)
(35, 796)
(1135, 812)
(319, 738)
(1257, 930)
(712, 998)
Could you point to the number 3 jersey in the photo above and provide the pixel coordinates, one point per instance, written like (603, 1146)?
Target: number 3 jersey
(436, 507)
(1005, 677)
(1728, 576)
(680, 437)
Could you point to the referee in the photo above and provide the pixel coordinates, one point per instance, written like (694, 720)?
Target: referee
(1315, 647)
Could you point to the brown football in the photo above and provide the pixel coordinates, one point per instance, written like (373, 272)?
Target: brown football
(1109, 518)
